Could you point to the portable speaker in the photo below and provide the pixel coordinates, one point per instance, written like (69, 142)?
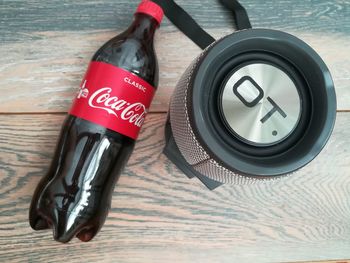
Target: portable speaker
(257, 104)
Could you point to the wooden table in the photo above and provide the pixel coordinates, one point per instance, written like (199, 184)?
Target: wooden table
(158, 215)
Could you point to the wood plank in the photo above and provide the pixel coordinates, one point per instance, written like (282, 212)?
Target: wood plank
(44, 75)
(158, 215)
(21, 18)
(45, 49)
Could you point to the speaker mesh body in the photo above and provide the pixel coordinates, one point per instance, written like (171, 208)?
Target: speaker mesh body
(185, 138)
(209, 149)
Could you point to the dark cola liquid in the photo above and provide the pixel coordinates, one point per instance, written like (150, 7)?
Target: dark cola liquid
(74, 197)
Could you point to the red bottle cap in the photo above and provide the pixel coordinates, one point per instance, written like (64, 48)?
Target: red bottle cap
(152, 9)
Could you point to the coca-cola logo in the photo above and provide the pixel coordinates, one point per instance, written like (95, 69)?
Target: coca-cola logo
(134, 113)
(113, 98)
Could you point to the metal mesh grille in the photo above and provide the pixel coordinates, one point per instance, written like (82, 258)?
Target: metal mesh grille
(215, 171)
(185, 138)
(180, 124)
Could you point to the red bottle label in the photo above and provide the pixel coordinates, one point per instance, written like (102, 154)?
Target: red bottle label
(113, 98)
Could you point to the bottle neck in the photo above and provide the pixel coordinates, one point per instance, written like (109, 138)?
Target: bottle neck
(143, 27)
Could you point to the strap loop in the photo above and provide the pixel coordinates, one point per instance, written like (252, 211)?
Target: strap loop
(186, 24)
(239, 12)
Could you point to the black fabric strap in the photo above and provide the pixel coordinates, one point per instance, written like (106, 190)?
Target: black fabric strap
(183, 21)
(241, 15)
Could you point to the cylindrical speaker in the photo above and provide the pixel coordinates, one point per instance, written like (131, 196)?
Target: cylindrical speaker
(257, 104)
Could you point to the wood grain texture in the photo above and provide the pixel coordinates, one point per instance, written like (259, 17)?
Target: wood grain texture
(20, 18)
(158, 215)
(45, 49)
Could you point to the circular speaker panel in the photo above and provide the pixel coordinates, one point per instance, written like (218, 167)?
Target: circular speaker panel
(256, 104)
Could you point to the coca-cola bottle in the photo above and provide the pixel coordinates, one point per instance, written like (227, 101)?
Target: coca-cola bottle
(99, 133)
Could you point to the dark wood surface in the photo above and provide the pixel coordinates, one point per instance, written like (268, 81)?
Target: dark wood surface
(158, 215)
(48, 44)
